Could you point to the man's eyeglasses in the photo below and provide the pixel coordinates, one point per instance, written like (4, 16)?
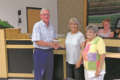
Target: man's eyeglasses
(46, 14)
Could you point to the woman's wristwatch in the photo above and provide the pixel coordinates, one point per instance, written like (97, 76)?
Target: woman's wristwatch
(99, 69)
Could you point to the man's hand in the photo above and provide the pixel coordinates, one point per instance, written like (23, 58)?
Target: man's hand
(55, 43)
(55, 46)
(77, 64)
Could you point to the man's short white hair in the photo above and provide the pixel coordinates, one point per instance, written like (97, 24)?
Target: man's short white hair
(43, 9)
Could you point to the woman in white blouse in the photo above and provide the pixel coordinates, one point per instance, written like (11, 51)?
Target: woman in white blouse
(74, 44)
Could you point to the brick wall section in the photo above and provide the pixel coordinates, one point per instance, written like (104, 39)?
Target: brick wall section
(68, 9)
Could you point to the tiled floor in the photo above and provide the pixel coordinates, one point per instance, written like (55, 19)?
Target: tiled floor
(33, 79)
(20, 79)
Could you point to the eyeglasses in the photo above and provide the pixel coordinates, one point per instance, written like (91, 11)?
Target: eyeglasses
(46, 14)
(89, 32)
(73, 24)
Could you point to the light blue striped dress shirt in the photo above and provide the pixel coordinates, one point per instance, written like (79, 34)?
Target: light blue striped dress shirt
(42, 33)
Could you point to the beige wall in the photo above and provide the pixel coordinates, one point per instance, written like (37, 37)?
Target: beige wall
(68, 9)
(8, 12)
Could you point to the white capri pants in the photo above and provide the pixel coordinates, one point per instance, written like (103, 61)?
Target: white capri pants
(90, 75)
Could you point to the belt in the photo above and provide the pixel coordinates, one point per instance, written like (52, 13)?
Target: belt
(44, 49)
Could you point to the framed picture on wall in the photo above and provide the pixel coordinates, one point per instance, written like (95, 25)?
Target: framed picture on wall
(98, 10)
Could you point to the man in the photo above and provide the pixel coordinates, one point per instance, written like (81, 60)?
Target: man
(42, 38)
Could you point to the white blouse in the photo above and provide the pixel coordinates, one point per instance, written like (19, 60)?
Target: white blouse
(73, 48)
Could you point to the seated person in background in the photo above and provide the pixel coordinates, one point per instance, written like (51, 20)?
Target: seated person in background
(119, 35)
(106, 32)
(118, 24)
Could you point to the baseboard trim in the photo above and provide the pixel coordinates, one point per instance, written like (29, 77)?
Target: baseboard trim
(20, 79)
(3, 79)
(9, 78)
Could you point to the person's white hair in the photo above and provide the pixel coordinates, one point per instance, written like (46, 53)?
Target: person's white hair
(43, 9)
(92, 27)
(75, 20)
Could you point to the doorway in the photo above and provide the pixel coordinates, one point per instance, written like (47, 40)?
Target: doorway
(33, 16)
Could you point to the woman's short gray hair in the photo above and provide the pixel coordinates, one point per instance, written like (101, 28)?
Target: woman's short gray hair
(43, 9)
(92, 27)
(75, 20)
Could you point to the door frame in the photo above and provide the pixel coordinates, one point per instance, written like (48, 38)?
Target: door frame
(27, 14)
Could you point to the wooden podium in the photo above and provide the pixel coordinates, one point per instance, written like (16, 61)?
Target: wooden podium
(3, 56)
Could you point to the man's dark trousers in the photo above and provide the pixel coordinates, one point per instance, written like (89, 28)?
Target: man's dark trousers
(43, 64)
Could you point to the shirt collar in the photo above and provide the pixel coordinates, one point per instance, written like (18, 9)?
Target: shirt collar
(43, 23)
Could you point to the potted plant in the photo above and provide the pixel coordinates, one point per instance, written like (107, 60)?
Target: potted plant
(5, 24)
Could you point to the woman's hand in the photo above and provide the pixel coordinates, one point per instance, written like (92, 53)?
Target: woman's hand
(77, 64)
(62, 45)
(102, 58)
(55, 46)
(97, 73)
(111, 34)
